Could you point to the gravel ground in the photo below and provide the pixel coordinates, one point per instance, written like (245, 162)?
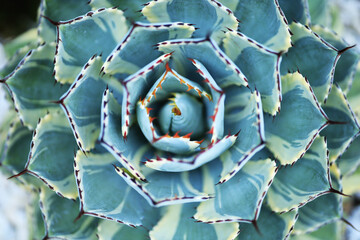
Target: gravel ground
(13, 200)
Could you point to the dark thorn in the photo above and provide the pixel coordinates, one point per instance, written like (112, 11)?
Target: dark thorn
(2, 80)
(335, 122)
(81, 213)
(254, 223)
(50, 20)
(349, 224)
(19, 174)
(57, 102)
(332, 190)
(345, 49)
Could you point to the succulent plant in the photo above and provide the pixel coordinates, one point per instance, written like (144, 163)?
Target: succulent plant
(181, 119)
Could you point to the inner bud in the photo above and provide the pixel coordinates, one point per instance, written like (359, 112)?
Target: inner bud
(182, 114)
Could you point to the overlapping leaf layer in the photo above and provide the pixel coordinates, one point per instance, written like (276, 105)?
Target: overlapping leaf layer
(180, 119)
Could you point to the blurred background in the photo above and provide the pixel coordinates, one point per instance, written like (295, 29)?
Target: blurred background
(16, 16)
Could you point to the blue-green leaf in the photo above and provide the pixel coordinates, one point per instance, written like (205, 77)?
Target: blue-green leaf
(35, 72)
(80, 38)
(261, 66)
(313, 57)
(291, 133)
(240, 198)
(82, 102)
(136, 49)
(105, 195)
(273, 225)
(297, 10)
(207, 52)
(58, 10)
(323, 210)
(52, 154)
(109, 230)
(59, 215)
(130, 8)
(345, 128)
(243, 114)
(306, 180)
(262, 21)
(331, 231)
(177, 224)
(214, 16)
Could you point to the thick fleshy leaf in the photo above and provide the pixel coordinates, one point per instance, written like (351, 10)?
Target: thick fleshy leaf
(214, 16)
(82, 102)
(346, 65)
(109, 230)
(6, 124)
(15, 45)
(342, 134)
(206, 51)
(313, 57)
(330, 231)
(124, 150)
(34, 72)
(240, 198)
(59, 215)
(36, 222)
(350, 159)
(105, 195)
(351, 182)
(270, 224)
(322, 210)
(243, 114)
(319, 12)
(291, 133)
(130, 8)
(297, 10)
(80, 38)
(15, 150)
(177, 224)
(136, 87)
(179, 164)
(304, 181)
(262, 21)
(136, 49)
(52, 154)
(261, 66)
(58, 10)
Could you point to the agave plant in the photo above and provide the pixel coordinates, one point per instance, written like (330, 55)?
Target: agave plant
(181, 119)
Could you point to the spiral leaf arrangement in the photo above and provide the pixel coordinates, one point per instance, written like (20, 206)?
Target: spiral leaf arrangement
(183, 119)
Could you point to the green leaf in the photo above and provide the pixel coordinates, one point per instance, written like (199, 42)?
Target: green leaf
(332, 231)
(349, 58)
(297, 10)
(243, 114)
(34, 72)
(25, 39)
(130, 8)
(259, 64)
(320, 12)
(58, 10)
(291, 133)
(240, 198)
(109, 230)
(313, 57)
(15, 150)
(177, 224)
(351, 182)
(270, 224)
(306, 180)
(82, 102)
(158, 188)
(105, 195)
(208, 53)
(350, 159)
(78, 39)
(262, 21)
(59, 216)
(321, 211)
(345, 128)
(36, 224)
(214, 16)
(136, 50)
(51, 155)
